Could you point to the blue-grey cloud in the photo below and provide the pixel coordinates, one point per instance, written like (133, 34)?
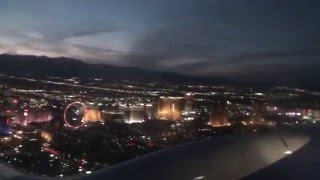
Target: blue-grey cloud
(225, 38)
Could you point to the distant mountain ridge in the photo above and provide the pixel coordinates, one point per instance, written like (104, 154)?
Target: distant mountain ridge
(67, 67)
(40, 66)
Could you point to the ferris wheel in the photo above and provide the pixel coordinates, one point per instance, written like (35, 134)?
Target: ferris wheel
(74, 115)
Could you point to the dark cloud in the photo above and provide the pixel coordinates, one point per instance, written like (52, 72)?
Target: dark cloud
(249, 41)
(275, 56)
(83, 30)
(244, 40)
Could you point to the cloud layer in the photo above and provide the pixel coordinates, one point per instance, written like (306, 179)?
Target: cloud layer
(242, 40)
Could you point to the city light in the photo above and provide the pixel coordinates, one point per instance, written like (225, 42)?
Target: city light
(66, 127)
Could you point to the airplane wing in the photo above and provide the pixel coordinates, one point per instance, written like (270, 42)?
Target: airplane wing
(225, 157)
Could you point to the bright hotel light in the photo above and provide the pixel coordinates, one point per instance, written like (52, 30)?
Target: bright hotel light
(288, 152)
(135, 121)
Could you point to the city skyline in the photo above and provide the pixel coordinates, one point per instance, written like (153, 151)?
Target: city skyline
(159, 89)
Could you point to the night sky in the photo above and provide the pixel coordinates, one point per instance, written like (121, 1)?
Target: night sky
(247, 40)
